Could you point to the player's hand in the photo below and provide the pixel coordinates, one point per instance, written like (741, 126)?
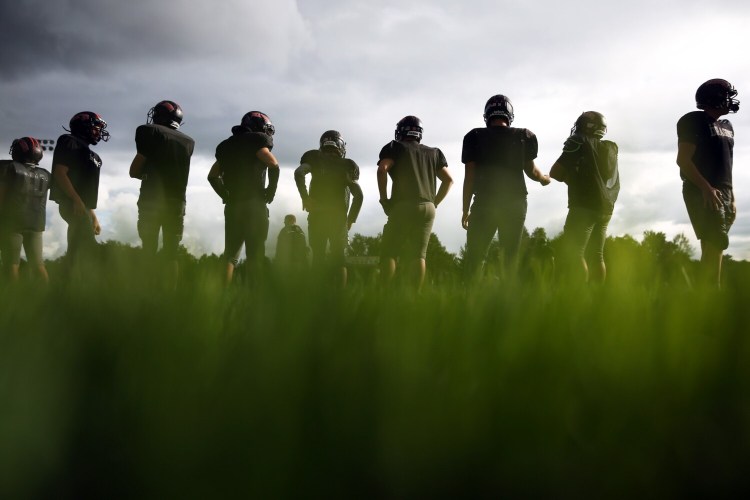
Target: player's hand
(712, 199)
(465, 220)
(349, 225)
(544, 180)
(308, 205)
(387, 205)
(96, 225)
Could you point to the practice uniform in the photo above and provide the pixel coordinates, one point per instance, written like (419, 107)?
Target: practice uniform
(23, 213)
(161, 204)
(244, 176)
(714, 146)
(413, 175)
(333, 182)
(84, 167)
(590, 166)
(499, 190)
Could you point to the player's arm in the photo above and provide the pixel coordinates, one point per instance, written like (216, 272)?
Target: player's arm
(711, 195)
(216, 180)
(299, 179)
(60, 173)
(357, 197)
(384, 166)
(136, 166)
(558, 172)
(533, 173)
(269, 160)
(468, 192)
(446, 181)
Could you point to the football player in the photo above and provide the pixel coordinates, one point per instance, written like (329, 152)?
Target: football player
(239, 177)
(162, 163)
(23, 204)
(496, 158)
(333, 177)
(75, 184)
(413, 169)
(704, 154)
(588, 165)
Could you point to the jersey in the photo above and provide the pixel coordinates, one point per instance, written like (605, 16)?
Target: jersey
(714, 146)
(25, 202)
(165, 172)
(500, 154)
(415, 168)
(244, 175)
(591, 173)
(84, 167)
(330, 179)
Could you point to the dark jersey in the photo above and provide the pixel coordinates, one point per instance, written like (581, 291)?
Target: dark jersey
(84, 167)
(165, 172)
(714, 145)
(291, 246)
(244, 175)
(500, 154)
(330, 178)
(591, 173)
(415, 168)
(25, 202)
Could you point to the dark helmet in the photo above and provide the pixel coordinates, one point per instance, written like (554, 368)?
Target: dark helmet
(89, 126)
(258, 122)
(409, 126)
(167, 113)
(498, 106)
(590, 123)
(331, 139)
(717, 93)
(26, 150)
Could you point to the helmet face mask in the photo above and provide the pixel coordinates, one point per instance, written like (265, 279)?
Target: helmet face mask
(167, 113)
(591, 123)
(409, 127)
(89, 126)
(498, 106)
(331, 142)
(26, 150)
(257, 121)
(717, 94)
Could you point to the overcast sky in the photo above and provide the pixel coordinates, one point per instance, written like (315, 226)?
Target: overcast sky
(359, 67)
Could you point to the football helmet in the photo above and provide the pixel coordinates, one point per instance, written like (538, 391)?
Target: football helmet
(716, 93)
(331, 139)
(258, 122)
(89, 126)
(590, 123)
(26, 150)
(498, 106)
(409, 126)
(167, 113)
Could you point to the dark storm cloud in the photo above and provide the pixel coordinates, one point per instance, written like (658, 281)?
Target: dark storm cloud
(90, 35)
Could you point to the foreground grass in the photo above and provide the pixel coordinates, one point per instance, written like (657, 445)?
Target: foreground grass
(118, 389)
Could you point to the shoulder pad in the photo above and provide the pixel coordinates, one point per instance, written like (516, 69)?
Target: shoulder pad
(572, 144)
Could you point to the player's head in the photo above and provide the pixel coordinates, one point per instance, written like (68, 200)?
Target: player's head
(89, 126)
(255, 121)
(332, 142)
(409, 128)
(26, 150)
(591, 123)
(717, 94)
(167, 113)
(498, 106)
(290, 220)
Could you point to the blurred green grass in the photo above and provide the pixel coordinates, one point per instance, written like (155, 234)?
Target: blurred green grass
(117, 388)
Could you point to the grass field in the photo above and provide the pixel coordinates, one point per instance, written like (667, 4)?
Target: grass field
(120, 389)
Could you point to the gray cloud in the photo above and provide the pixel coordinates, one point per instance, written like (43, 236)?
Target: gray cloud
(360, 66)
